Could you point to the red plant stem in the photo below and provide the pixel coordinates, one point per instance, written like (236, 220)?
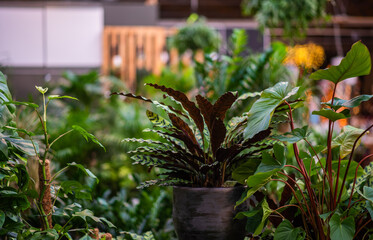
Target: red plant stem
(296, 197)
(307, 181)
(362, 227)
(353, 185)
(337, 181)
(350, 159)
(300, 189)
(329, 155)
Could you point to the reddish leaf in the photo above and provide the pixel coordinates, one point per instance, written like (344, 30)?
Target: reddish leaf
(217, 134)
(130, 95)
(206, 109)
(287, 193)
(189, 106)
(182, 126)
(222, 105)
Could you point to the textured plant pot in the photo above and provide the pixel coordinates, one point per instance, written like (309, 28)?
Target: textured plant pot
(207, 213)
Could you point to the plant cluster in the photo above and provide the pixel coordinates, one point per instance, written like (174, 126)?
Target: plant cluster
(326, 194)
(200, 150)
(293, 16)
(17, 188)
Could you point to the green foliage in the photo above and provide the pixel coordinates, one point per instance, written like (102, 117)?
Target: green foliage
(196, 35)
(240, 71)
(322, 191)
(293, 16)
(198, 150)
(259, 116)
(17, 187)
(356, 63)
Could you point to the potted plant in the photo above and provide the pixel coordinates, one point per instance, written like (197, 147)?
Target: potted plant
(326, 193)
(200, 155)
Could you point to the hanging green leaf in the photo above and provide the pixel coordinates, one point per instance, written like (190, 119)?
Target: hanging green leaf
(260, 114)
(341, 228)
(286, 231)
(86, 171)
(269, 162)
(88, 135)
(332, 115)
(356, 63)
(354, 102)
(345, 140)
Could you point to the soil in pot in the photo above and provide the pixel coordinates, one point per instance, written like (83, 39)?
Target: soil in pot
(207, 213)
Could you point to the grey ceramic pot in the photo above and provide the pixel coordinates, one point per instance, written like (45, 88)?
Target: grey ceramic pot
(207, 213)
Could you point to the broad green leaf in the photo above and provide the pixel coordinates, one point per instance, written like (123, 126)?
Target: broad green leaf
(244, 170)
(269, 162)
(5, 115)
(266, 212)
(21, 144)
(294, 136)
(331, 115)
(2, 216)
(286, 231)
(341, 229)
(325, 215)
(86, 171)
(88, 135)
(368, 206)
(41, 90)
(345, 140)
(28, 104)
(354, 102)
(247, 214)
(51, 97)
(368, 193)
(86, 237)
(367, 172)
(260, 114)
(356, 63)
(4, 87)
(75, 187)
(255, 182)
(19, 130)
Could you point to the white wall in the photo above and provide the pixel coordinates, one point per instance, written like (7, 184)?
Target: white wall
(21, 38)
(51, 36)
(74, 36)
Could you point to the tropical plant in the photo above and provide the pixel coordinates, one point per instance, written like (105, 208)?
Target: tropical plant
(17, 193)
(326, 194)
(199, 149)
(195, 35)
(293, 16)
(240, 70)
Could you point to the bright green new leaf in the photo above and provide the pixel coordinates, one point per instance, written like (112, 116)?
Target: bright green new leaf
(51, 97)
(86, 171)
(260, 114)
(87, 135)
(345, 140)
(331, 115)
(41, 90)
(356, 63)
(341, 229)
(286, 231)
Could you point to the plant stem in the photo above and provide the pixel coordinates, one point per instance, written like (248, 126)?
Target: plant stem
(55, 140)
(350, 159)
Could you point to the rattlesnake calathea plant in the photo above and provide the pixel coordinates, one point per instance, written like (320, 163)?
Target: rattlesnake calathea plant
(324, 193)
(199, 148)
